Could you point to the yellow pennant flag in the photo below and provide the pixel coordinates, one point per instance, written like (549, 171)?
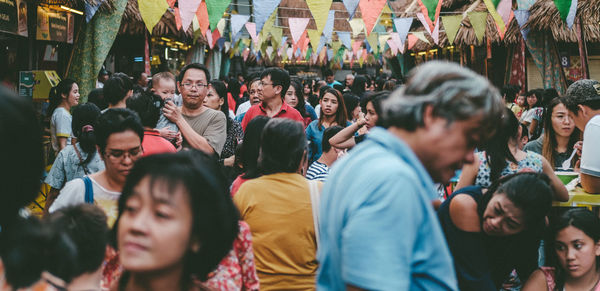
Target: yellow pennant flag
(314, 37)
(221, 25)
(451, 25)
(373, 41)
(335, 46)
(276, 35)
(320, 12)
(358, 26)
(382, 41)
(269, 25)
(152, 11)
(479, 22)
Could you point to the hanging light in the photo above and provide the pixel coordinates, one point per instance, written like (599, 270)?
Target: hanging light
(71, 9)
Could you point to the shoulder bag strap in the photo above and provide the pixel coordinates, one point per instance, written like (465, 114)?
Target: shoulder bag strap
(315, 198)
(85, 169)
(89, 190)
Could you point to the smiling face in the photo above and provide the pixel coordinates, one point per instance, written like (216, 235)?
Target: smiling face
(562, 123)
(73, 98)
(501, 217)
(193, 88)
(290, 97)
(531, 100)
(212, 100)
(576, 252)
(329, 104)
(155, 228)
(122, 150)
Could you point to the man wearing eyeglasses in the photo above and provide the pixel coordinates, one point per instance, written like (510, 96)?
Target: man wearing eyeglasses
(202, 128)
(274, 82)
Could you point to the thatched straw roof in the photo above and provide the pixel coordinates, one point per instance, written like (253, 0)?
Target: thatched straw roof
(544, 16)
(466, 33)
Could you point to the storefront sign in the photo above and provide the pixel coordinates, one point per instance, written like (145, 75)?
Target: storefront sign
(26, 82)
(8, 16)
(54, 25)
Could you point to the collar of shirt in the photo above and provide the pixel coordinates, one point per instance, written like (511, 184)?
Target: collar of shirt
(151, 132)
(284, 108)
(404, 152)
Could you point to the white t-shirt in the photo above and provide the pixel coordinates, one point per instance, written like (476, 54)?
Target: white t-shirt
(60, 126)
(590, 156)
(74, 193)
(243, 108)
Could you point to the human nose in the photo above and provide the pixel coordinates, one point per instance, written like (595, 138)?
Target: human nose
(571, 253)
(139, 221)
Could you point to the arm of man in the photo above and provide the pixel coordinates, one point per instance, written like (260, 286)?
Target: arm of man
(560, 191)
(590, 158)
(195, 140)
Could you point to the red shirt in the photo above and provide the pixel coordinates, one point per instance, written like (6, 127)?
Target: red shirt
(153, 143)
(231, 102)
(286, 111)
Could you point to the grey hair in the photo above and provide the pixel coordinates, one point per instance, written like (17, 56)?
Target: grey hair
(456, 94)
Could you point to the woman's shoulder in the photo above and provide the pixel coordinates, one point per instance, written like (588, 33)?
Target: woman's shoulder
(463, 209)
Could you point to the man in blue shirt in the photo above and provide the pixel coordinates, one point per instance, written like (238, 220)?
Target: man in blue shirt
(330, 79)
(378, 229)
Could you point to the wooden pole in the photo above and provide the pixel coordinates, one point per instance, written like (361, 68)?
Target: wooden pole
(582, 48)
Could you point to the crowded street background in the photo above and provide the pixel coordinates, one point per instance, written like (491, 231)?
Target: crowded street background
(318, 145)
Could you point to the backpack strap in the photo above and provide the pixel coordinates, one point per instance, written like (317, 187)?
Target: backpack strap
(89, 190)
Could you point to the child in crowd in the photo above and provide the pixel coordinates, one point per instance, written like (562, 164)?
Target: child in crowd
(519, 106)
(163, 84)
(575, 242)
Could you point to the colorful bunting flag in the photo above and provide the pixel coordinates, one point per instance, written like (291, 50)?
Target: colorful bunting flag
(430, 8)
(328, 30)
(90, 10)
(221, 26)
(297, 27)
(237, 22)
(202, 17)
(216, 8)
(478, 21)
(187, 10)
(522, 16)
(412, 40)
(402, 27)
(371, 9)
(177, 18)
(345, 39)
(393, 46)
(567, 10)
(435, 34)
(356, 46)
(314, 36)
(251, 28)
(451, 25)
(351, 6)
(372, 41)
(152, 11)
(358, 26)
(382, 41)
(320, 11)
(501, 24)
(421, 36)
(525, 4)
(262, 11)
(276, 35)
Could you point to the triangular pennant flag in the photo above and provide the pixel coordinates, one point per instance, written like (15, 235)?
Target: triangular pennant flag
(393, 46)
(262, 11)
(90, 10)
(171, 3)
(396, 39)
(412, 40)
(220, 41)
(322, 43)
(361, 61)
(251, 28)
(345, 39)
(351, 6)
(314, 37)
(297, 27)
(356, 46)
(478, 21)
(500, 24)
(187, 10)
(421, 36)
(504, 8)
(227, 46)
(372, 40)
(566, 9)
(371, 9)
(209, 38)
(402, 27)
(328, 30)
(215, 36)
(451, 25)
(152, 11)
(304, 41)
(358, 25)
(269, 25)
(522, 16)
(320, 11)
(329, 54)
(216, 8)
(525, 4)
(221, 26)
(177, 18)
(202, 17)
(269, 51)
(379, 28)
(382, 41)
(431, 9)
(335, 46)
(237, 22)
(276, 35)
(435, 33)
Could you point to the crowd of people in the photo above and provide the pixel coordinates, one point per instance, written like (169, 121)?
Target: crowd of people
(271, 182)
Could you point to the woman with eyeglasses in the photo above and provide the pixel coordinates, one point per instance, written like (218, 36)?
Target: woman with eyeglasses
(119, 136)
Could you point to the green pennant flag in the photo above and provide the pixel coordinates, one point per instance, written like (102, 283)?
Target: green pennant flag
(276, 35)
(93, 44)
(314, 36)
(451, 25)
(308, 54)
(373, 40)
(216, 8)
(479, 22)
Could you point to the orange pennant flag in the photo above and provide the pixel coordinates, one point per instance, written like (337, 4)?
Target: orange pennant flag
(412, 40)
(202, 15)
(177, 18)
(371, 9)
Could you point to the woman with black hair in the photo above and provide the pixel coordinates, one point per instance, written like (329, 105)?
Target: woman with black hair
(532, 117)
(175, 222)
(490, 234)
(333, 112)
(359, 86)
(233, 94)
(501, 156)
(295, 98)
(248, 152)
(352, 103)
(62, 97)
(215, 99)
(78, 160)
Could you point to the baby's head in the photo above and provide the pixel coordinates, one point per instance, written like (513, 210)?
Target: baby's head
(163, 84)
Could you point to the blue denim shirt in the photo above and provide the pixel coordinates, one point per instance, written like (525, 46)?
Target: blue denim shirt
(378, 228)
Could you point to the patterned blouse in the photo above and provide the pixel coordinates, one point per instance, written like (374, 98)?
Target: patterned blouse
(66, 166)
(235, 134)
(531, 163)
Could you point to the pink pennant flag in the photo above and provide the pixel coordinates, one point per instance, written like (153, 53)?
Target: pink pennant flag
(187, 11)
(393, 46)
(396, 39)
(209, 38)
(171, 3)
(371, 9)
(251, 28)
(297, 27)
(412, 40)
(177, 18)
(504, 8)
(356, 46)
(435, 34)
(364, 54)
(245, 54)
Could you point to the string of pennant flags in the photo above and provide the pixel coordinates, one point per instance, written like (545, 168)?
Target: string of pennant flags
(206, 19)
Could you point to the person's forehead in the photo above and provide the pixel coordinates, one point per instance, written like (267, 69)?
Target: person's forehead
(164, 84)
(194, 74)
(124, 140)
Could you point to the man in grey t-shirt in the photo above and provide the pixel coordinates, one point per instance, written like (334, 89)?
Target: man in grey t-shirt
(202, 128)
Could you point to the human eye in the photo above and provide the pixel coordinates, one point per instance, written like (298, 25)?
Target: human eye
(559, 247)
(578, 245)
(116, 154)
(163, 212)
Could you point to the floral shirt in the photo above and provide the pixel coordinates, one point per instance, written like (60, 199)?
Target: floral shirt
(236, 271)
(532, 163)
(235, 134)
(67, 166)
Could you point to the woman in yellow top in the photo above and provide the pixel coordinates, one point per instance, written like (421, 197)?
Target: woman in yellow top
(277, 206)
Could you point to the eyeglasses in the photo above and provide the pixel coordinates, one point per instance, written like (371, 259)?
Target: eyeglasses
(189, 86)
(119, 155)
(264, 84)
